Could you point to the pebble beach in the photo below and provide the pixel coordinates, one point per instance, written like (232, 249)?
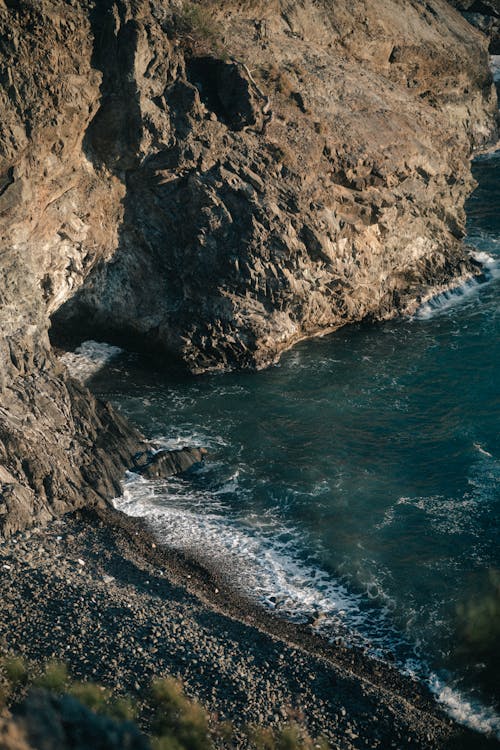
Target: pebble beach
(95, 590)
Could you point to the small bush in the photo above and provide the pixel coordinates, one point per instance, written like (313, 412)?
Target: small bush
(15, 670)
(195, 23)
(54, 677)
(262, 738)
(179, 723)
(166, 743)
(289, 737)
(95, 697)
(123, 709)
(178, 719)
(278, 78)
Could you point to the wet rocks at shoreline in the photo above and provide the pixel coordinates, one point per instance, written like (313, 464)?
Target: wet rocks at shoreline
(166, 463)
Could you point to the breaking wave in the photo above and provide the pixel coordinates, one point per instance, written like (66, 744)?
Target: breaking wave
(88, 358)
(442, 302)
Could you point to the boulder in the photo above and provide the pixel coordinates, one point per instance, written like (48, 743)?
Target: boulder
(166, 463)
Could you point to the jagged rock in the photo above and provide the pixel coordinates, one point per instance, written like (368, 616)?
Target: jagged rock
(484, 15)
(250, 235)
(225, 90)
(166, 463)
(214, 206)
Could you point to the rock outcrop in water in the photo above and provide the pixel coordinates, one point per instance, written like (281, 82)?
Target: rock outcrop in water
(214, 182)
(165, 463)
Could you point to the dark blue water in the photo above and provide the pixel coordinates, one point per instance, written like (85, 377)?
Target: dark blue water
(356, 484)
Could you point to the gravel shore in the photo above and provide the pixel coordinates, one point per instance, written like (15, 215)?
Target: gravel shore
(95, 590)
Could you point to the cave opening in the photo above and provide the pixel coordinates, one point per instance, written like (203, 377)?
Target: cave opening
(223, 89)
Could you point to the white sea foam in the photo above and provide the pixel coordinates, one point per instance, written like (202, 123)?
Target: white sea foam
(445, 300)
(182, 437)
(448, 515)
(464, 708)
(261, 557)
(449, 298)
(457, 515)
(495, 67)
(481, 450)
(88, 358)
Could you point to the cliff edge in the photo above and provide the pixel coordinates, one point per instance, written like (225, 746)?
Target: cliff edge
(214, 182)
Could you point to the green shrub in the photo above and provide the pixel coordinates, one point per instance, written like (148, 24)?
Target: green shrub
(479, 618)
(54, 677)
(95, 697)
(166, 743)
(195, 23)
(178, 718)
(15, 670)
(122, 708)
(179, 723)
(289, 737)
(261, 738)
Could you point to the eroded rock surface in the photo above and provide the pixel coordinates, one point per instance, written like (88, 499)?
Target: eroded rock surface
(242, 234)
(215, 189)
(484, 15)
(11, 736)
(59, 448)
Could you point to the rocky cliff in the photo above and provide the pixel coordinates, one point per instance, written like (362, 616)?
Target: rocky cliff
(485, 15)
(214, 182)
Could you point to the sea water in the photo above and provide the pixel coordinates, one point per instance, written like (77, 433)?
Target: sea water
(355, 485)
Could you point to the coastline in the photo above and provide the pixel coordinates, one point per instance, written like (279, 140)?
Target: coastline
(146, 192)
(96, 590)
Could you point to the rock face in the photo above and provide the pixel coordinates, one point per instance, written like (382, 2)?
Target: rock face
(242, 234)
(215, 183)
(11, 736)
(485, 15)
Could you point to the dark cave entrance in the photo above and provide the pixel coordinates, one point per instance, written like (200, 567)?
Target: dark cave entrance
(224, 90)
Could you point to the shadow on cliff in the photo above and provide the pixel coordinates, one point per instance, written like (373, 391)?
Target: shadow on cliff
(112, 138)
(111, 144)
(152, 289)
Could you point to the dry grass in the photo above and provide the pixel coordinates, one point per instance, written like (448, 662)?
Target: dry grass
(278, 79)
(194, 25)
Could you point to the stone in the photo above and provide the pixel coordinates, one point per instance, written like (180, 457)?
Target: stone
(11, 735)
(166, 463)
(484, 15)
(370, 203)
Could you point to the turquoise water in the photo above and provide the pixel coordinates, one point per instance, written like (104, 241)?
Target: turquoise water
(356, 484)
